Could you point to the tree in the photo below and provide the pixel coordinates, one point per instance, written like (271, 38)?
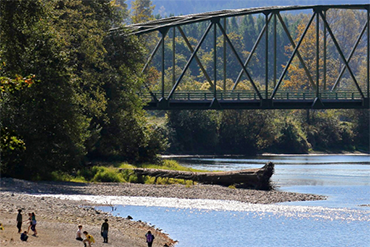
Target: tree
(292, 139)
(193, 131)
(142, 11)
(87, 79)
(10, 143)
(246, 132)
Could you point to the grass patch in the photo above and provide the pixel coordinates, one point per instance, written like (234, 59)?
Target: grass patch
(120, 173)
(169, 165)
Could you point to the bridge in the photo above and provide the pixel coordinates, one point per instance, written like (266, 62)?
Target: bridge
(318, 86)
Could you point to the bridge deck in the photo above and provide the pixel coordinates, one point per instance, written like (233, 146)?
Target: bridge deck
(249, 100)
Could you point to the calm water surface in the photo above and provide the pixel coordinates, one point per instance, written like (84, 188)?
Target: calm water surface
(342, 220)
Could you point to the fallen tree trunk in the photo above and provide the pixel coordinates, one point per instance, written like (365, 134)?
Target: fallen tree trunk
(250, 178)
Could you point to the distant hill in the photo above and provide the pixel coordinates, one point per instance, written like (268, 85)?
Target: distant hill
(184, 7)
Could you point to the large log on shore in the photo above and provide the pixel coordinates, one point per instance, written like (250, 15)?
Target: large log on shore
(250, 178)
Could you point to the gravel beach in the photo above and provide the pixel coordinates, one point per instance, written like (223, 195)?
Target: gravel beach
(58, 219)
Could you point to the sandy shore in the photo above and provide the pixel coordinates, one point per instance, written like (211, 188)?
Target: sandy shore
(58, 219)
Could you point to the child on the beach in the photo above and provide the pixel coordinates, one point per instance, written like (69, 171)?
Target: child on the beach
(79, 233)
(24, 236)
(89, 239)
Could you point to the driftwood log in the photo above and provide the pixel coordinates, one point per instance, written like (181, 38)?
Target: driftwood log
(249, 178)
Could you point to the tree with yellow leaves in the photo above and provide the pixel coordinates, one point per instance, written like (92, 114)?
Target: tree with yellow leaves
(142, 11)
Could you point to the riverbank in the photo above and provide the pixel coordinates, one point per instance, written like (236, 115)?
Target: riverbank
(313, 153)
(58, 219)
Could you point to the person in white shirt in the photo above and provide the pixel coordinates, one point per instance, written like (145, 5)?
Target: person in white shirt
(79, 233)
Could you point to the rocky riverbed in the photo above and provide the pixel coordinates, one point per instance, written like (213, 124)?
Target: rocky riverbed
(58, 219)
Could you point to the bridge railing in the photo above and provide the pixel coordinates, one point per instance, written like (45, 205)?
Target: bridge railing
(251, 95)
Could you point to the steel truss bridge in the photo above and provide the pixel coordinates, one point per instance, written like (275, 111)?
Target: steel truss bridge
(268, 94)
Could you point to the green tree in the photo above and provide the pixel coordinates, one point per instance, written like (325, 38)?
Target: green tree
(292, 139)
(193, 131)
(142, 11)
(87, 85)
(246, 132)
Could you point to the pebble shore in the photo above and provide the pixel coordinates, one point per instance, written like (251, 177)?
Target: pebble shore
(55, 214)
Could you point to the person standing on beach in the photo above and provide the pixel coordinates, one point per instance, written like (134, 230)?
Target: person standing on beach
(29, 222)
(104, 230)
(149, 238)
(33, 224)
(79, 233)
(19, 220)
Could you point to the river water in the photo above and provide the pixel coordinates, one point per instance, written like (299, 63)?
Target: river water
(341, 220)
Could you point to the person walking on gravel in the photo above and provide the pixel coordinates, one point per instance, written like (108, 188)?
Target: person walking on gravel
(19, 220)
(149, 238)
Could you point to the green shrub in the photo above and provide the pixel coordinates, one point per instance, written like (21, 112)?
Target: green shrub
(108, 174)
(61, 176)
(88, 173)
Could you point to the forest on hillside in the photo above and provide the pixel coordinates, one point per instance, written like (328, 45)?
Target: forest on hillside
(184, 7)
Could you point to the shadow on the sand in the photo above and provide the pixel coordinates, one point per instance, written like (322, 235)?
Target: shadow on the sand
(42, 187)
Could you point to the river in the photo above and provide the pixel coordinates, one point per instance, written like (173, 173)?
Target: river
(341, 220)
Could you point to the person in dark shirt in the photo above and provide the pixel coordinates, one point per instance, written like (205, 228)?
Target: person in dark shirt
(19, 220)
(104, 230)
(149, 238)
(24, 236)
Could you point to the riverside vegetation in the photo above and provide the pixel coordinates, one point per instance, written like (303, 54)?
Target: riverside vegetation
(120, 173)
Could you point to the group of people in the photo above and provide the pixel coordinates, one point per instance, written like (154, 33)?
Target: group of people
(32, 224)
(88, 240)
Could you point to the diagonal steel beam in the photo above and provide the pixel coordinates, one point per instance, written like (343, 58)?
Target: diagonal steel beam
(152, 55)
(239, 60)
(349, 58)
(254, 48)
(147, 64)
(341, 54)
(189, 61)
(196, 57)
(292, 56)
(298, 54)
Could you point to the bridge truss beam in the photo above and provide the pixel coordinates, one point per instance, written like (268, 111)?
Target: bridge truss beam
(266, 98)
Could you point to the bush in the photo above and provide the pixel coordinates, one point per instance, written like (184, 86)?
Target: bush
(108, 174)
(292, 139)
